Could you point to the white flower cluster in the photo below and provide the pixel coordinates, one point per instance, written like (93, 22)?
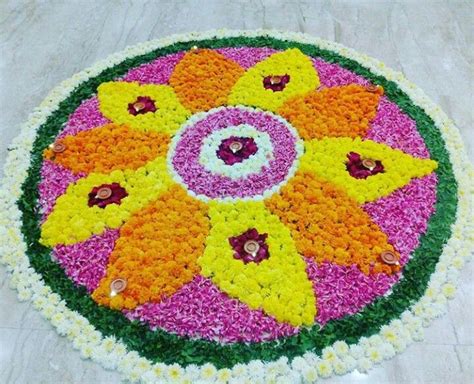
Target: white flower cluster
(338, 359)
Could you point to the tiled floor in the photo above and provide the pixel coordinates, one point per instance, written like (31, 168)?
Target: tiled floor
(42, 43)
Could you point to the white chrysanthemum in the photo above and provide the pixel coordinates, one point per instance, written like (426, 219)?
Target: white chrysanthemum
(105, 358)
(73, 331)
(374, 354)
(143, 365)
(329, 354)
(109, 343)
(86, 351)
(324, 369)
(159, 370)
(448, 290)
(39, 303)
(299, 363)
(223, 375)
(193, 371)
(399, 345)
(174, 372)
(120, 350)
(458, 262)
(388, 333)
(134, 376)
(24, 295)
(341, 348)
(208, 371)
(375, 340)
(339, 367)
(48, 311)
(128, 362)
(310, 375)
(150, 378)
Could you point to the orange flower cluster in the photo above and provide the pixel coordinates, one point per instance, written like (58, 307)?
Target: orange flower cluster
(157, 251)
(327, 225)
(333, 112)
(108, 148)
(203, 79)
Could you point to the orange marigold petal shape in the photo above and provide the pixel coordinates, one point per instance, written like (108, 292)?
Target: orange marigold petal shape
(156, 252)
(332, 112)
(102, 149)
(203, 79)
(327, 225)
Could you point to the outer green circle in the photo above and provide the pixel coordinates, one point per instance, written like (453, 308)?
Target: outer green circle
(160, 346)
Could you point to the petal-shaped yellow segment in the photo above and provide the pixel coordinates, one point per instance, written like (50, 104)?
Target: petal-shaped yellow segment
(116, 99)
(250, 89)
(72, 220)
(328, 158)
(278, 284)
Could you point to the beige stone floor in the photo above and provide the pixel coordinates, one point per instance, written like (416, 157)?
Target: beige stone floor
(44, 42)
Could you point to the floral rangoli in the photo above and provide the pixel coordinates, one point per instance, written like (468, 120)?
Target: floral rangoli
(238, 207)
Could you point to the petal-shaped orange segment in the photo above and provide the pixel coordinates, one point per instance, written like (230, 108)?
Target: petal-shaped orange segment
(203, 79)
(108, 148)
(327, 225)
(332, 112)
(156, 252)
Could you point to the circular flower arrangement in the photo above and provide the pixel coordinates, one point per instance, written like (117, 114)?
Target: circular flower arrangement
(237, 206)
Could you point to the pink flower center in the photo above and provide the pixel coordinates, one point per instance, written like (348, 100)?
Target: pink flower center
(236, 149)
(106, 194)
(250, 246)
(142, 105)
(276, 82)
(361, 168)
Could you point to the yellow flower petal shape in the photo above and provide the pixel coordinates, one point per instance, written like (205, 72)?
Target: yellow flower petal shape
(250, 88)
(278, 283)
(73, 220)
(327, 158)
(146, 107)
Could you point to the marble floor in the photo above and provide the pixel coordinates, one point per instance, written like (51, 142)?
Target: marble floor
(44, 42)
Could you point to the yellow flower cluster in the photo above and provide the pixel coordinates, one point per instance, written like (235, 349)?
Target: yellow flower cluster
(278, 284)
(249, 88)
(327, 158)
(115, 97)
(72, 220)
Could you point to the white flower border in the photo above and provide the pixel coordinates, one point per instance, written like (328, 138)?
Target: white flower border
(339, 358)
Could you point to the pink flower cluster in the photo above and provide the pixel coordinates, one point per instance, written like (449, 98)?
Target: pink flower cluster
(201, 310)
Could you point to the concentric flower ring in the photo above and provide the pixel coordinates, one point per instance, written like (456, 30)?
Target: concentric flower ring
(276, 165)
